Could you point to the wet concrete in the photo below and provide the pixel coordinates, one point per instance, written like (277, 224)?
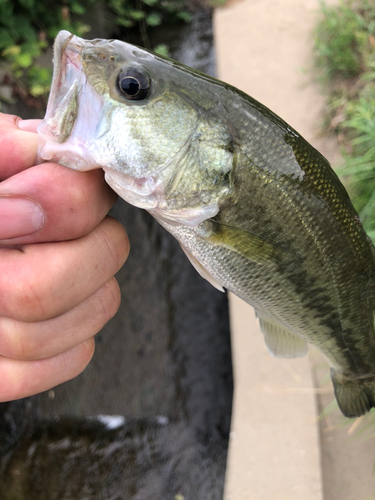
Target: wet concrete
(166, 353)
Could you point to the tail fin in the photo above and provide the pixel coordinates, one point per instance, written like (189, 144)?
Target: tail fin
(355, 397)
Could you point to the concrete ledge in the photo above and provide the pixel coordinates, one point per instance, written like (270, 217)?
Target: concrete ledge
(276, 450)
(263, 48)
(274, 443)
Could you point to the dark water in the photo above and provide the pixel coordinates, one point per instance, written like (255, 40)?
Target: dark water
(163, 364)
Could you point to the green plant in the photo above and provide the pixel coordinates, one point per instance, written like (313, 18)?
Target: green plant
(343, 38)
(345, 56)
(359, 167)
(28, 27)
(148, 12)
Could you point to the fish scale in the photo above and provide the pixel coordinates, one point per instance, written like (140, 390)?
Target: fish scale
(255, 207)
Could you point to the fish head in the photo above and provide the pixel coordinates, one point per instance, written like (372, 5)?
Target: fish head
(154, 126)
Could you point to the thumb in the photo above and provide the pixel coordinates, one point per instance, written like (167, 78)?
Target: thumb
(19, 217)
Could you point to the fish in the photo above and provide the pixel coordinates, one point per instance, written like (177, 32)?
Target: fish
(257, 209)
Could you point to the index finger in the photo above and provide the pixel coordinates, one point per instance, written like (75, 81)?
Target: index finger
(18, 147)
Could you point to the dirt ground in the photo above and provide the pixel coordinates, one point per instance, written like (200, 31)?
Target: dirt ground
(264, 48)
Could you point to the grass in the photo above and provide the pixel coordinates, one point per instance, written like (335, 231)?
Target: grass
(343, 38)
(28, 27)
(344, 46)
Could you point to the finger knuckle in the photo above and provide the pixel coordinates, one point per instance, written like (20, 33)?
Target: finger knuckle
(89, 349)
(11, 343)
(109, 299)
(29, 302)
(14, 343)
(113, 302)
(76, 359)
(117, 241)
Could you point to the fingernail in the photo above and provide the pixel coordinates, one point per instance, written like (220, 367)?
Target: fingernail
(28, 125)
(19, 217)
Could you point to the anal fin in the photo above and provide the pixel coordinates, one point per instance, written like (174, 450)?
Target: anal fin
(280, 342)
(355, 397)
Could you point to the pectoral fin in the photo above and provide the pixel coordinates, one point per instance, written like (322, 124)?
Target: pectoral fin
(243, 242)
(202, 270)
(279, 341)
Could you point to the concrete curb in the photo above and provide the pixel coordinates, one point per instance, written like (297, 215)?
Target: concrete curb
(262, 47)
(274, 449)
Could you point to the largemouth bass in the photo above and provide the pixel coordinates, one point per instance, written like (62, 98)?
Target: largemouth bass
(256, 208)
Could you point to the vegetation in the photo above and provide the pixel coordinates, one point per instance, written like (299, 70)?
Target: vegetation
(345, 58)
(28, 27)
(344, 38)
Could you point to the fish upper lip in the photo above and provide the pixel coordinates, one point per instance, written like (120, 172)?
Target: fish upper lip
(63, 39)
(60, 137)
(69, 46)
(67, 54)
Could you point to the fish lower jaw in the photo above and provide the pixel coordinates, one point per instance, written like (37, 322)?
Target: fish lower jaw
(137, 192)
(68, 155)
(147, 193)
(191, 216)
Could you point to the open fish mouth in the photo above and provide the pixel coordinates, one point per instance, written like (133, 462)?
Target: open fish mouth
(61, 137)
(67, 78)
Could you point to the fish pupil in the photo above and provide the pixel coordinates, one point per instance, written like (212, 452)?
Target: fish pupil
(134, 84)
(130, 86)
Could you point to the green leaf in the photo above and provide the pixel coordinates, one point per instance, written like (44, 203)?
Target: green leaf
(81, 29)
(24, 60)
(77, 8)
(52, 31)
(24, 29)
(37, 90)
(32, 48)
(27, 4)
(150, 3)
(137, 15)
(127, 23)
(162, 50)
(40, 75)
(185, 16)
(13, 50)
(6, 39)
(154, 19)
(6, 12)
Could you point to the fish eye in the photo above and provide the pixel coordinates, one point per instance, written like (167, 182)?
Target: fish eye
(134, 84)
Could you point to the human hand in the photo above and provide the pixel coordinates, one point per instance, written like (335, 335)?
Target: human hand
(58, 255)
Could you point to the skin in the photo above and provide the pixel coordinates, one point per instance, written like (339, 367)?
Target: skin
(57, 288)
